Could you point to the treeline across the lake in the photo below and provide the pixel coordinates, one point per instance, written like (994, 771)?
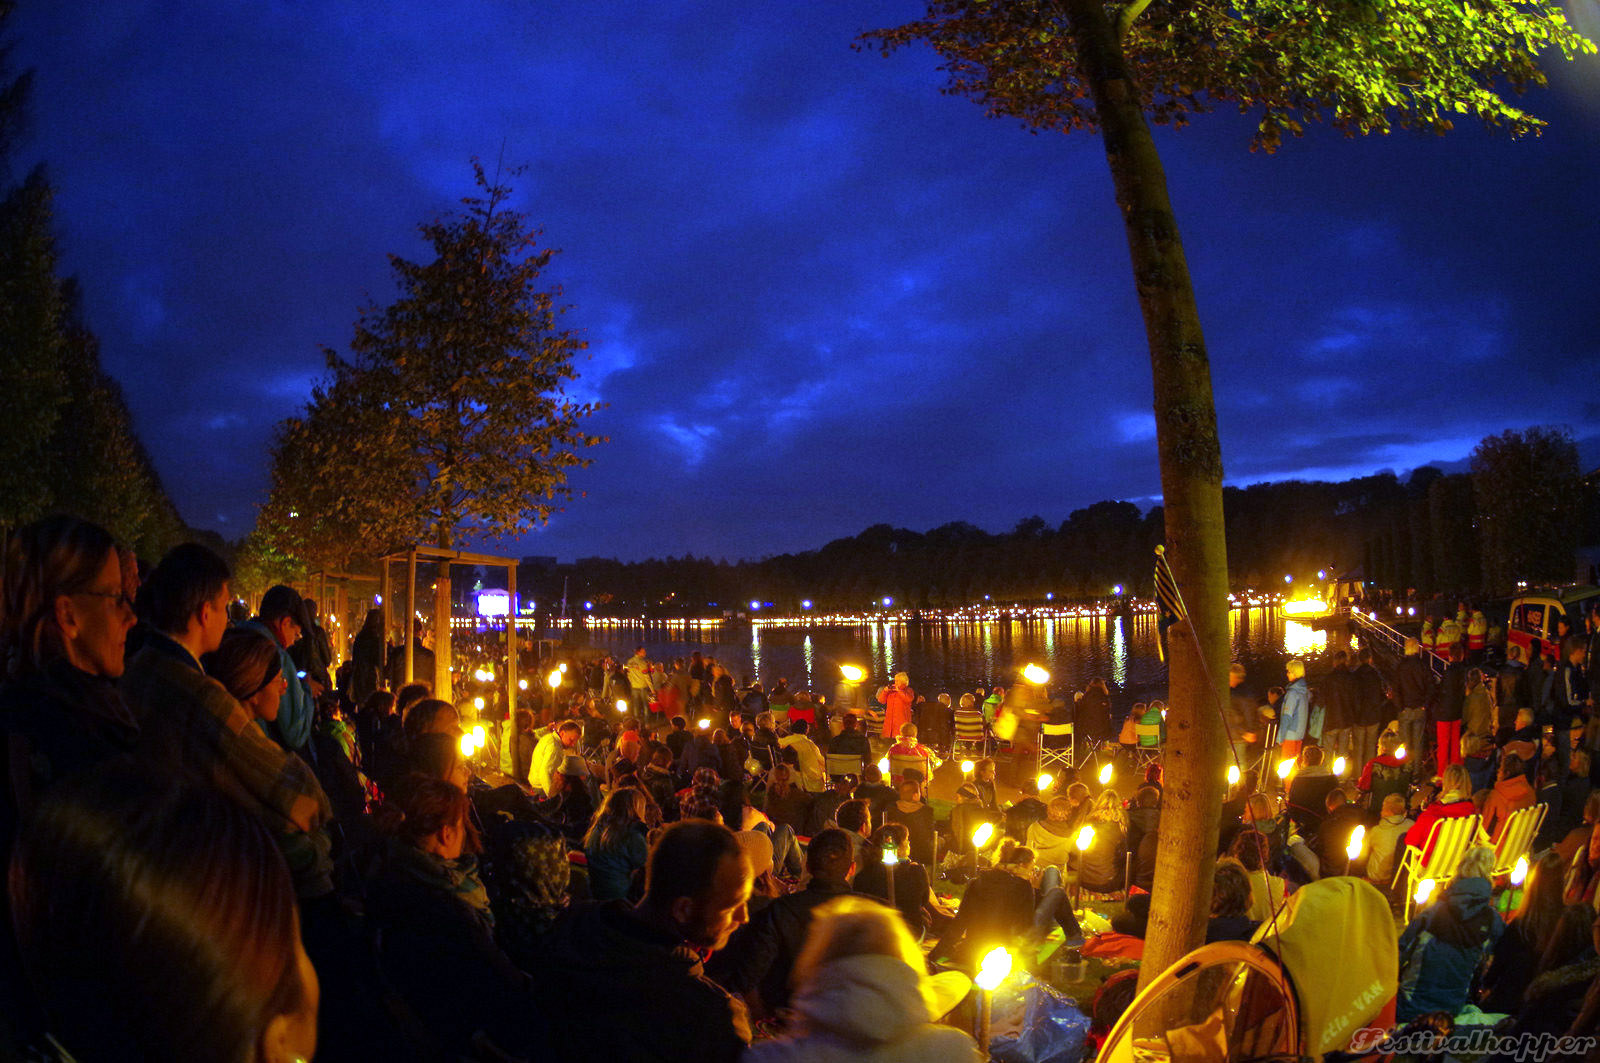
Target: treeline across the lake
(1520, 514)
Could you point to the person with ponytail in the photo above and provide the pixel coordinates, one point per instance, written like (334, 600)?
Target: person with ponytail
(437, 931)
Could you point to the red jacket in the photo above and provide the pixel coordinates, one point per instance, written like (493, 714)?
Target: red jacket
(896, 709)
(1417, 836)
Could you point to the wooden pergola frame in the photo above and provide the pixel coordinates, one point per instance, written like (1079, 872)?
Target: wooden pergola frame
(438, 554)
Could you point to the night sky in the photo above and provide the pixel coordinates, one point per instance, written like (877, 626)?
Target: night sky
(818, 293)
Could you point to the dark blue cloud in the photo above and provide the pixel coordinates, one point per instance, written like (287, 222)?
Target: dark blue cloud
(818, 293)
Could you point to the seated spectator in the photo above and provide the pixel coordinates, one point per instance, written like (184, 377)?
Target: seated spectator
(966, 816)
(908, 746)
(1333, 836)
(1025, 811)
(1385, 774)
(1511, 793)
(1002, 905)
(1384, 841)
(983, 773)
(650, 955)
(534, 874)
(856, 821)
(1529, 929)
(1052, 838)
(1267, 890)
(826, 804)
(1584, 874)
(1444, 944)
(785, 803)
(678, 737)
(1260, 821)
(1566, 974)
(1101, 868)
(1230, 904)
(878, 795)
(1478, 757)
(438, 947)
(550, 755)
(1144, 821)
(615, 846)
(913, 890)
(862, 994)
(1454, 800)
(1307, 796)
(108, 887)
(760, 955)
(657, 780)
(850, 741)
(917, 817)
(1578, 837)
(799, 743)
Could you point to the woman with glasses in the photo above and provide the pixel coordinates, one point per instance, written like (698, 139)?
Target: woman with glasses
(64, 621)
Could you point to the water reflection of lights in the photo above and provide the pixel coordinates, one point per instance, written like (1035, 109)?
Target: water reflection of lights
(755, 652)
(1119, 653)
(1301, 638)
(809, 652)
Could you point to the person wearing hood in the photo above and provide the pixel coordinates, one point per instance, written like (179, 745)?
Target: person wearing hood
(651, 956)
(1511, 793)
(863, 996)
(282, 619)
(1052, 838)
(1442, 946)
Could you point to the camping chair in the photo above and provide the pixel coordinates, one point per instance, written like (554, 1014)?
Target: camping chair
(837, 764)
(970, 731)
(1448, 840)
(1148, 749)
(1051, 749)
(1516, 837)
(762, 759)
(900, 762)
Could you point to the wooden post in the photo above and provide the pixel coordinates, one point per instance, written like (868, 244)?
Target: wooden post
(408, 625)
(511, 648)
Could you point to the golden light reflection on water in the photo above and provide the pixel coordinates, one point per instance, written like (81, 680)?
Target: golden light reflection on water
(1301, 638)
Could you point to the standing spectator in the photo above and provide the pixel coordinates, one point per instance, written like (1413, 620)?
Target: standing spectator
(1477, 710)
(366, 658)
(1337, 691)
(1295, 709)
(312, 652)
(897, 700)
(1372, 706)
(1452, 702)
(640, 686)
(1415, 689)
(281, 618)
(64, 622)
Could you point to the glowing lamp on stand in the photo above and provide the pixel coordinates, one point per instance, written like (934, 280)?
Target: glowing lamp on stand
(1044, 781)
(479, 735)
(883, 765)
(467, 744)
(554, 679)
(1399, 752)
(622, 704)
(1285, 766)
(1085, 838)
(522, 684)
(981, 835)
(1423, 892)
(705, 724)
(477, 703)
(1106, 773)
(1519, 873)
(1036, 675)
(1357, 838)
(1233, 775)
(966, 767)
(851, 673)
(1339, 766)
(993, 970)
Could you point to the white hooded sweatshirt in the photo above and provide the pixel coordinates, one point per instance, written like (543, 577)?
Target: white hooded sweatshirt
(870, 1009)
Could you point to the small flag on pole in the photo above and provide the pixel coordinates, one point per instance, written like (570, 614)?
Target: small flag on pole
(1169, 603)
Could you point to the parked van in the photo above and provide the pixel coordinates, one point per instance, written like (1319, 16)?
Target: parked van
(1533, 620)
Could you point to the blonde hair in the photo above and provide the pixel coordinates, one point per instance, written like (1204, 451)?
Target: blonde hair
(1107, 808)
(1294, 668)
(1059, 808)
(1477, 862)
(1455, 781)
(854, 926)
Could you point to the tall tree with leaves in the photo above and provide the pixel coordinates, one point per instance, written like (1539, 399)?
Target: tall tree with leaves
(1528, 494)
(1090, 65)
(450, 419)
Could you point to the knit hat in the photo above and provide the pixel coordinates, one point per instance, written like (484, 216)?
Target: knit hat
(757, 848)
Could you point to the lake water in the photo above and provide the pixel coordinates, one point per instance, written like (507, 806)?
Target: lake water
(961, 656)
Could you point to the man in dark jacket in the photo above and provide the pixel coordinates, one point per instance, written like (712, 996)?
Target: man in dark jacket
(1372, 708)
(649, 956)
(1333, 833)
(1338, 690)
(850, 741)
(760, 955)
(1447, 714)
(1414, 689)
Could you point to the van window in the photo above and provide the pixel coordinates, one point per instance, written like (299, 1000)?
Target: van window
(1532, 619)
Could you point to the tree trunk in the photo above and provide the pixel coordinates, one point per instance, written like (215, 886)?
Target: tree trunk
(1191, 487)
(441, 621)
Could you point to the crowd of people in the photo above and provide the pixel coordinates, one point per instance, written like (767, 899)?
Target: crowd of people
(673, 865)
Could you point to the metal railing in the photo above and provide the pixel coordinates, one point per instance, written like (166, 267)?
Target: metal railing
(1388, 638)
